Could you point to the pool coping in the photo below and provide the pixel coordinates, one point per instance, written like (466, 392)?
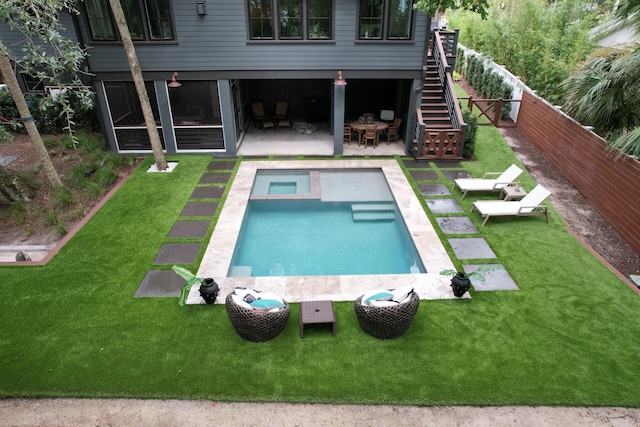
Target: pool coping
(218, 255)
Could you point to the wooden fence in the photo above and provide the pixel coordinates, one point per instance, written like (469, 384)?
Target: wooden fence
(611, 185)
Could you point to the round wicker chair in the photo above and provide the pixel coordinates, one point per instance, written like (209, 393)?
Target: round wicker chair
(254, 325)
(387, 322)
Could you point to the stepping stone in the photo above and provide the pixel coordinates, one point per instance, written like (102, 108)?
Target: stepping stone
(471, 248)
(423, 164)
(199, 209)
(448, 164)
(160, 283)
(188, 229)
(451, 175)
(498, 280)
(207, 192)
(7, 160)
(444, 206)
(221, 166)
(456, 225)
(434, 190)
(178, 253)
(215, 178)
(424, 175)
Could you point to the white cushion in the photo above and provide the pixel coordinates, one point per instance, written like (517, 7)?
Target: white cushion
(401, 293)
(382, 295)
(238, 300)
(376, 303)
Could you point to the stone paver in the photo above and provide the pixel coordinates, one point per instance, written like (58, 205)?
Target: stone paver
(422, 175)
(451, 175)
(215, 178)
(497, 280)
(471, 248)
(209, 192)
(434, 190)
(456, 225)
(7, 160)
(189, 229)
(160, 283)
(199, 209)
(444, 206)
(178, 253)
(225, 165)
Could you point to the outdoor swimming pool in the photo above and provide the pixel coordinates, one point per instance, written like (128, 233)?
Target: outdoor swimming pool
(319, 223)
(218, 256)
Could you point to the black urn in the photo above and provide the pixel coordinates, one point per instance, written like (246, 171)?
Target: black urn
(460, 284)
(209, 290)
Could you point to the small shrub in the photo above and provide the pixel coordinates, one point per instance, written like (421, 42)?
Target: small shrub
(80, 173)
(93, 189)
(106, 176)
(50, 141)
(51, 216)
(61, 229)
(5, 135)
(471, 133)
(63, 196)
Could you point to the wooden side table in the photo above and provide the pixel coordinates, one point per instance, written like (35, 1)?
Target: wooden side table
(512, 192)
(317, 312)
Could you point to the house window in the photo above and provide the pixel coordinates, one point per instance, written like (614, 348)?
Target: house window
(146, 19)
(385, 19)
(319, 19)
(294, 19)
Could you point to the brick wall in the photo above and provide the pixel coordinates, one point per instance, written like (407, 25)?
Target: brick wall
(611, 186)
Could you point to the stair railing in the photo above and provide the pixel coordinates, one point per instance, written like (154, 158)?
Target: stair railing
(446, 79)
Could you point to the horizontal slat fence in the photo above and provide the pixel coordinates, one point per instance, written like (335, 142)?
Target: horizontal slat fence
(612, 186)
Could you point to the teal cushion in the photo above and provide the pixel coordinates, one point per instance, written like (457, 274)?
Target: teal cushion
(380, 296)
(266, 303)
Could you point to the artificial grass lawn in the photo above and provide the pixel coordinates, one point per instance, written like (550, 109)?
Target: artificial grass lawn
(569, 336)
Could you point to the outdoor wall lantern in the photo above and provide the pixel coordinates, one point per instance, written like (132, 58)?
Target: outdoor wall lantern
(340, 81)
(201, 7)
(174, 82)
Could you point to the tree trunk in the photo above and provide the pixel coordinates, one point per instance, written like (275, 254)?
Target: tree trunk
(32, 130)
(138, 80)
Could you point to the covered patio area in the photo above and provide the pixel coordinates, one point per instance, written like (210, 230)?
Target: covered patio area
(288, 142)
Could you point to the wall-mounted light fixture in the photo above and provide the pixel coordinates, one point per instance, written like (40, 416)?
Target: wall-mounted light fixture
(340, 81)
(201, 7)
(174, 82)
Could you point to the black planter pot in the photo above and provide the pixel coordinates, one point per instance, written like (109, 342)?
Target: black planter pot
(460, 284)
(209, 290)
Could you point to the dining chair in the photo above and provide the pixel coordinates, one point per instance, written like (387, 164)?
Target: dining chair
(392, 133)
(370, 134)
(347, 133)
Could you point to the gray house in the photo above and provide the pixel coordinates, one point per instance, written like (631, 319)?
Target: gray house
(206, 63)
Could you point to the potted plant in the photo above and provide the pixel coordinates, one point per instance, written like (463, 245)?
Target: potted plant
(461, 281)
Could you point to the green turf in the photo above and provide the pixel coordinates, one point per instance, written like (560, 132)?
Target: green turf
(569, 336)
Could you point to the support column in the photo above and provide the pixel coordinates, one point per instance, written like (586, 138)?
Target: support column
(339, 87)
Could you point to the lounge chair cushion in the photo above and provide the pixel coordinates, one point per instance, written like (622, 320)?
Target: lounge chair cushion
(266, 303)
(380, 295)
(400, 294)
(239, 301)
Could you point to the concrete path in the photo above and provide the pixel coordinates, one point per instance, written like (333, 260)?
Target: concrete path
(125, 412)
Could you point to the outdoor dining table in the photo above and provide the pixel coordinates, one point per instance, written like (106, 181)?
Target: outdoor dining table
(361, 127)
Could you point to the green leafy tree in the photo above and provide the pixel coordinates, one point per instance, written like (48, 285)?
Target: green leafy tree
(432, 7)
(604, 92)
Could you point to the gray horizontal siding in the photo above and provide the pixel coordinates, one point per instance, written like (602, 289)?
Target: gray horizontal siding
(218, 43)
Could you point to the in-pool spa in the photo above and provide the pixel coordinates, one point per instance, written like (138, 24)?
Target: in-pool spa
(321, 223)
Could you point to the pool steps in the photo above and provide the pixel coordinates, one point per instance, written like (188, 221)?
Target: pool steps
(373, 212)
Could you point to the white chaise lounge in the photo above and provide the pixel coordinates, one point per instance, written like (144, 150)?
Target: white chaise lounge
(487, 184)
(531, 204)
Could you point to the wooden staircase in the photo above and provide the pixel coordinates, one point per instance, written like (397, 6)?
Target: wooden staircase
(440, 128)
(435, 113)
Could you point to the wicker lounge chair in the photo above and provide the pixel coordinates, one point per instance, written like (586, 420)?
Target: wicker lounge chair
(254, 325)
(387, 322)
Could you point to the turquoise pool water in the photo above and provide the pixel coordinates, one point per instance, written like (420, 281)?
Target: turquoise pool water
(343, 223)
